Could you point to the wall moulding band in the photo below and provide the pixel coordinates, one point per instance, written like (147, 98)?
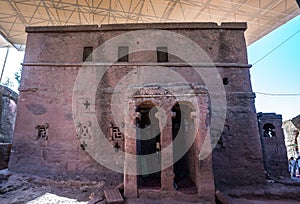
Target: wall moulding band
(204, 65)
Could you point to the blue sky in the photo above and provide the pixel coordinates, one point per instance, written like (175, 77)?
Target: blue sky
(13, 64)
(277, 73)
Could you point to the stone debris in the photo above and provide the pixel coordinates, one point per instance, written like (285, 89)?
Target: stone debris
(97, 198)
(50, 198)
(21, 188)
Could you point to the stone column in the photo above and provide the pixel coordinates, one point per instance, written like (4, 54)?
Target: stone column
(167, 174)
(130, 168)
(204, 168)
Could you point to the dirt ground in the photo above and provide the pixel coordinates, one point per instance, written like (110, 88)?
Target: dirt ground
(281, 191)
(20, 188)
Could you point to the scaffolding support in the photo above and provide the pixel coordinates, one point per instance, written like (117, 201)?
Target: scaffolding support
(7, 51)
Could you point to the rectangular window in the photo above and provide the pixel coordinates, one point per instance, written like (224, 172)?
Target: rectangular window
(123, 54)
(162, 54)
(87, 54)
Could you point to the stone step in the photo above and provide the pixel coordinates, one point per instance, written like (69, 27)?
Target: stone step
(113, 196)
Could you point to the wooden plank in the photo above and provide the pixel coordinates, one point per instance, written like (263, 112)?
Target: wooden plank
(113, 196)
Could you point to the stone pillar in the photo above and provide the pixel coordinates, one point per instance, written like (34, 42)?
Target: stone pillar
(167, 174)
(130, 168)
(204, 166)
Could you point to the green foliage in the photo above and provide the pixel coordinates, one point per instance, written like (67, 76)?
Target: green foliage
(8, 82)
(18, 76)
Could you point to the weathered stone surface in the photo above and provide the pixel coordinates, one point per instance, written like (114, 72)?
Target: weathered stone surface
(8, 101)
(292, 139)
(52, 62)
(296, 122)
(273, 144)
(22, 188)
(36, 109)
(97, 198)
(4, 154)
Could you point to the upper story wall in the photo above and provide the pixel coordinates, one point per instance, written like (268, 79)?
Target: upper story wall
(60, 44)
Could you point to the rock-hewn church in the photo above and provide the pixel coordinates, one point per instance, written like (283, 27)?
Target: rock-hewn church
(75, 118)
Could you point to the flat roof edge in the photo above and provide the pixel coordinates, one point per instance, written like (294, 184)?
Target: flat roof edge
(138, 26)
(70, 28)
(174, 26)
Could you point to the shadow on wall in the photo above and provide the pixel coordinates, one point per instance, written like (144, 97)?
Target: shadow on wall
(8, 101)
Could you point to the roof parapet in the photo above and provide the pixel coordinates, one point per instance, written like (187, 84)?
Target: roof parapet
(138, 26)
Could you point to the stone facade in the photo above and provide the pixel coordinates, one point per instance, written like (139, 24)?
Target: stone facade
(47, 141)
(273, 144)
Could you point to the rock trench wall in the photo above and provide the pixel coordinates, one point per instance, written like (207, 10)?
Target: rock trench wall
(8, 101)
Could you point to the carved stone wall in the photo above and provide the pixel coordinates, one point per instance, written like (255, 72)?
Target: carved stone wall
(273, 144)
(292, 139)
(8, 105)
(53, 60)
(8, 101)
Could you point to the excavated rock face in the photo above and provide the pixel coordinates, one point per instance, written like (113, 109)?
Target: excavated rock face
(8, 101)
(296, 122)
(291, 134)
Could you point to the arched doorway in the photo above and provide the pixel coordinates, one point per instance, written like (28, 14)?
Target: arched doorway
(183, 131)
(148, 143)
(158, 124)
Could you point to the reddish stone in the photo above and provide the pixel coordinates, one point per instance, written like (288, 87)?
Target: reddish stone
(52, 62)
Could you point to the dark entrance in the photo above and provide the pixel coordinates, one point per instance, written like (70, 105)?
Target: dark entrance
(148, 143)
(182, 131)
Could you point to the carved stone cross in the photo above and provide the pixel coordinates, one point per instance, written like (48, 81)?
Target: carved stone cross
(83, 145)
(86, 104)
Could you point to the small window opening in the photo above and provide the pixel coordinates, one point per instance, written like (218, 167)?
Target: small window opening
(87, 54)
(225, 81)
(269, 130)
(117, 147)
(123, 54)
(162, 54)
